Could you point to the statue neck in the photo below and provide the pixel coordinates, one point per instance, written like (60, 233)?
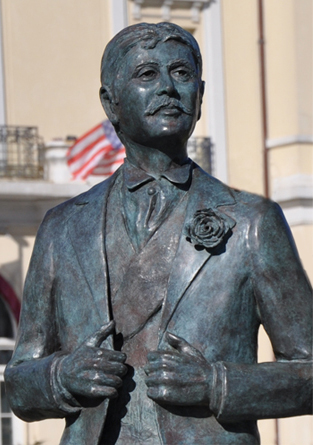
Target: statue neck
(155, 160)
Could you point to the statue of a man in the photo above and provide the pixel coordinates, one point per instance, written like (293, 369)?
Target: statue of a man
(145, 294)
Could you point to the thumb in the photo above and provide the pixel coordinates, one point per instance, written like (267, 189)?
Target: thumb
(183, 346)
(100, 335)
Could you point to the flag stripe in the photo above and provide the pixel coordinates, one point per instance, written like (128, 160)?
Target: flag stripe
(103, 143)
(86, 139)
(85, 150)
(79, 166)
(112, 155)
(93, 158)
(103, 168)
(108, 166)
(99, 151)
(105, 171)
(87, 171)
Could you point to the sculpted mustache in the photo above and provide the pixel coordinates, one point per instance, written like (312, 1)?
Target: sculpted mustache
(156, 105)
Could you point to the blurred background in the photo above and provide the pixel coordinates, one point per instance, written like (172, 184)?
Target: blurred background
(255, 133)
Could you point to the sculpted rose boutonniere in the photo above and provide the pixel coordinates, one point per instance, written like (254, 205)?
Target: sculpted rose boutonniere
(209, 228)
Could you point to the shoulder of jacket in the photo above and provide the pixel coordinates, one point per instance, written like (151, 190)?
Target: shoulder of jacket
(62, 212)
(254, 201)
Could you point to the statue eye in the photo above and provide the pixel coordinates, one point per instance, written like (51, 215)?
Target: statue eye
(147, 74)
(182, 73)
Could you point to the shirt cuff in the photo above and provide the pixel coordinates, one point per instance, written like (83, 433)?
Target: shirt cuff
(63, 398)
(219, 389)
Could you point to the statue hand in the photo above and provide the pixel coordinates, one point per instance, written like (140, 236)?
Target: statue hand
(179, 377)
(91, 371)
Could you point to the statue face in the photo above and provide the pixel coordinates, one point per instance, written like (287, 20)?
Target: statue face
(158, 93)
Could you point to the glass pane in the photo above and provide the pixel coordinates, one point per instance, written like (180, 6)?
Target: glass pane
(6, 431)
(5, 408)
(5, 357)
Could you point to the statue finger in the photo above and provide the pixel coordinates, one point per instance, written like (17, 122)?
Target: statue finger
(161, 355)
(111, 355)
(104, 379)
(158, 393)
(156, 366)
(183, 346)
(96, 339)
(103, 391)
(99, 378)
(118, 369)
(162, 377)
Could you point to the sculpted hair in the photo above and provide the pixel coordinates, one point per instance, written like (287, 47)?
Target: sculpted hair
(147, 36)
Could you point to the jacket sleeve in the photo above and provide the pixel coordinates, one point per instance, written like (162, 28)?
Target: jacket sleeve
(31, 375)
(284, 301)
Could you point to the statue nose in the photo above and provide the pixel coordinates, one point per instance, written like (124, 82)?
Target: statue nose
(166, 85)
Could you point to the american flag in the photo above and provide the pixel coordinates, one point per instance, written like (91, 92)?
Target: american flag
(98, 152)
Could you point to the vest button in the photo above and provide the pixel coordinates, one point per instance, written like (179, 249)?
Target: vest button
(151, 191)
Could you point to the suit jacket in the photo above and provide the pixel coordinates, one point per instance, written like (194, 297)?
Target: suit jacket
(216, 301)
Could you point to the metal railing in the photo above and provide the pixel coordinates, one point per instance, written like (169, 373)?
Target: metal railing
(200, 151)
(21, 152)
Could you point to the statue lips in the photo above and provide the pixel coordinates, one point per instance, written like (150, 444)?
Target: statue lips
(170, 111)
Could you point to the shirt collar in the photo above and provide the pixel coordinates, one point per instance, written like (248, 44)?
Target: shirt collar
(135, 177)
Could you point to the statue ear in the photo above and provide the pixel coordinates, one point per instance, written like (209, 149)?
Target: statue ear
(108, 104)
(202, 86)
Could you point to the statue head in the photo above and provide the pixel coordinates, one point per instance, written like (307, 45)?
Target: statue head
(146, 35)
(158, 66)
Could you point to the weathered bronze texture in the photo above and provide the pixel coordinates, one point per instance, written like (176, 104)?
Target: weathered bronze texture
(145, 294)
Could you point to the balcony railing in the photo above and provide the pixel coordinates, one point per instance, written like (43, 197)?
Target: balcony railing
(200, 150)
(21, 152)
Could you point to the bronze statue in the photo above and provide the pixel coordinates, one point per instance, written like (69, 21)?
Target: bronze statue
(145, 294)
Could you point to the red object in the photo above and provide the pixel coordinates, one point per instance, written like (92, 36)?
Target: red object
(10, 297)
(98, 152)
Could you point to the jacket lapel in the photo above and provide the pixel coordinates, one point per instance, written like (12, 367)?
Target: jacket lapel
(86, 228)
(205, 192)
